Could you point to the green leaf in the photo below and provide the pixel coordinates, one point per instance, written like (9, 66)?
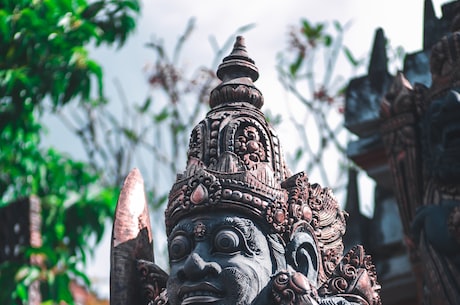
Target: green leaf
(63, 289)
(33, 275)
(132, 4)
(4, 24)
(273, 119)
(163, 115)
(59, 229)
(327, 40)
(92, 9)
(48, 252)
(22, 273)
(159, 201)
(130, 134)
(21, 291)
(50, 278)
(319, 29)
(96, 69)
(146, 105)
(81, 275)
(350, 57)
(306, 27)
(177, 128)
(312, 32)
(298, 154)
(294, 67)
(337, 25)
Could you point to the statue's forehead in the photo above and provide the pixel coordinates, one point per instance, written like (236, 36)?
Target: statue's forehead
(198, 224)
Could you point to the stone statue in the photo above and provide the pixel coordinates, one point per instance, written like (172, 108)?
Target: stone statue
(241, 228)
(421, 134)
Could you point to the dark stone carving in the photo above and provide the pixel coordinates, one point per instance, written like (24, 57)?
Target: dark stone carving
(421, 134)
(354, 276)
(363, 93)
(20, 228)
(241, 228)
(416, 65)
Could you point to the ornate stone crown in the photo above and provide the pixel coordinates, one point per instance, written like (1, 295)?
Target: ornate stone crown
(235, 163)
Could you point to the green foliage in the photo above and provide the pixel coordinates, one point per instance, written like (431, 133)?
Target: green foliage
(308, 71)
(74, 214)
(42, 49)
(44, 61)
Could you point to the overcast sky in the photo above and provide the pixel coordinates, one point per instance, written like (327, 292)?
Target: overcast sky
(167, 19)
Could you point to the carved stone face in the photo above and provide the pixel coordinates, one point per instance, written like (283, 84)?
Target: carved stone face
(442, 137)
(217, 259)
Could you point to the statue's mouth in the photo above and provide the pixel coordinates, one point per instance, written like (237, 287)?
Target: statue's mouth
(199, 299)
(200, 293)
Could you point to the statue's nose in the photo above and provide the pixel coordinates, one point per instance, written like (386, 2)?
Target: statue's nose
(197, 268)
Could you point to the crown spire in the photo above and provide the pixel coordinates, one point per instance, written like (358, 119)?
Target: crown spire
(238, 73)
(238, 63)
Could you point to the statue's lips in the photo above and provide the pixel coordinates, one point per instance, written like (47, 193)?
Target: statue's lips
(200, 299)
(200, 293)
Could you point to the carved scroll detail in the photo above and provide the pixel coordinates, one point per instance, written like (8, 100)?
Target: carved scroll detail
(354, 275)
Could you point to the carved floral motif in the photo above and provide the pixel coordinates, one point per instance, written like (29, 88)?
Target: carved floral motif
(354, 275)
(153, 282)
(293, 288)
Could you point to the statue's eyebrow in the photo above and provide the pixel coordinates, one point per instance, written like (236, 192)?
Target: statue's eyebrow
(185, 227)
(246, 227)
(238, 223)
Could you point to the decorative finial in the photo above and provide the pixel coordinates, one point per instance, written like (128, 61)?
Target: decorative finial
(238, 63)
(237, 72)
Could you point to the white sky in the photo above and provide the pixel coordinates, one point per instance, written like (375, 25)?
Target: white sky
(167, 19)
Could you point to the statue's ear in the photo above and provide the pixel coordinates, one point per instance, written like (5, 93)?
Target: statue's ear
(302, 255)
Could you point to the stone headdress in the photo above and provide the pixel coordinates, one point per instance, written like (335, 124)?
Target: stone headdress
(235, 163)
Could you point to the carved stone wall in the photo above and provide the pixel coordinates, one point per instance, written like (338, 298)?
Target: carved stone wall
(396, 195)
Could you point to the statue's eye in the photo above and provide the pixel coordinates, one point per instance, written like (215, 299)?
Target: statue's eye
(179, 247)
(226, 241)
